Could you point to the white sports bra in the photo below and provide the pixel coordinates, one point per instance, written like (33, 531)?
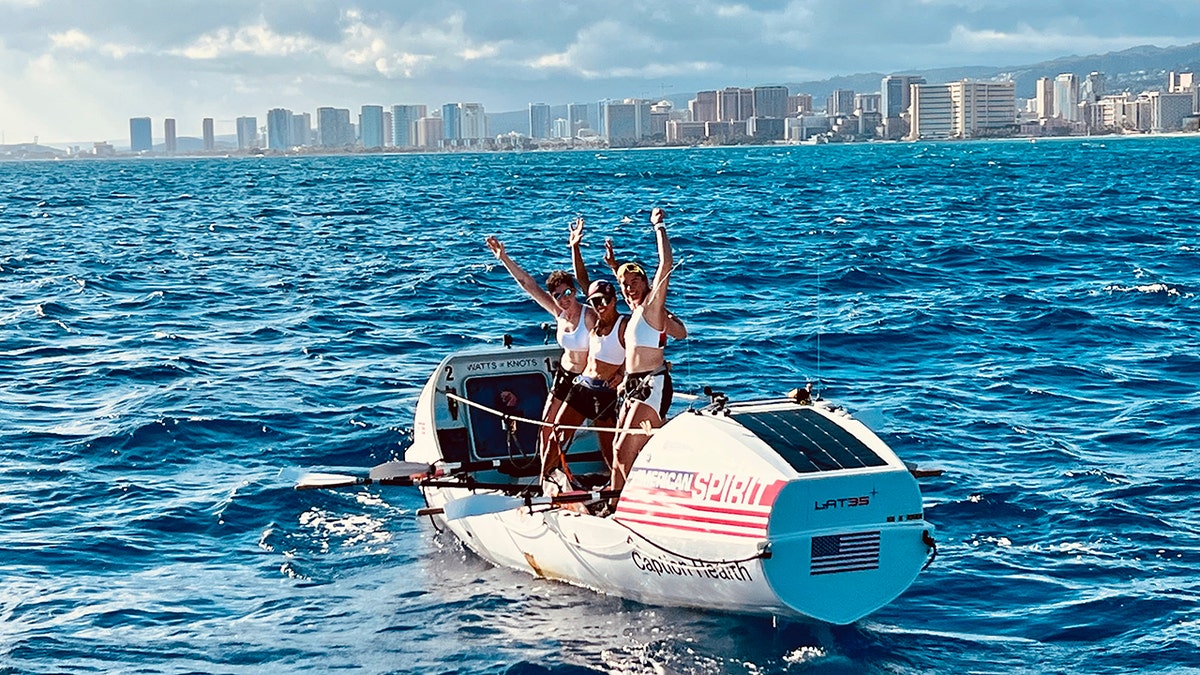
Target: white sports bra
(643, 334)
(608, 348)
(573, 340)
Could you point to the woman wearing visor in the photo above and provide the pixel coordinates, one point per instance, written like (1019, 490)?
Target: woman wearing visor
(593, 395)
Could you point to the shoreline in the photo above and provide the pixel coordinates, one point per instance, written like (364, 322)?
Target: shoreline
(241, 155)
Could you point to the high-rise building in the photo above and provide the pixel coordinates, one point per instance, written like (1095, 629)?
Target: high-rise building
(895, 93)
(302, 129)
(140, 138)
(1066, 97)
(867, 103)
(578, 118)
(963, 109)
(621, 127)
(404, 119)
(539, 120)
(703, 108)
(1111, 113)
(387, 129)
(472, 123)
(681, 132)
(1092, 87)
(626, 122)
(932, 110)
(840, 102)
(734, 104)
(279, 129)
(247, 133)
(800, 103)
(1180, 83)
(429, 132)
(1138, 113)
(600, 109)
(766, 128)
(452, 123)
(660, 113)
(169, 145)
(210, 138)
(333, 127)
(1167, 111)
(372, 126)
(770, 102)
(985, 107)
(1044, 98)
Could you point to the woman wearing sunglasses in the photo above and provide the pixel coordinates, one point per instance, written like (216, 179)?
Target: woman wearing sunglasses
(647, 383)
(593, 395)
(575, 321)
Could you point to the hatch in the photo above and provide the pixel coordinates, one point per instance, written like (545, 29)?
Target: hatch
(515, 394)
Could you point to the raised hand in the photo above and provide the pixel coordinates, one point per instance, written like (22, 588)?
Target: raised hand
(610, 255)
(576, 236)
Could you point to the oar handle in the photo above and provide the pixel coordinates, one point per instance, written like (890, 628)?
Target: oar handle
(572, 497)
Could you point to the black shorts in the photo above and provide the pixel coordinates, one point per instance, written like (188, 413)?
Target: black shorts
(598, 405)
(561, 386)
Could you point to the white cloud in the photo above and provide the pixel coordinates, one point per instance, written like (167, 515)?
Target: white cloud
(253, 40)
(731, 11)
(73, 39)
(225, 58)
(1059, 40)
(406, 50)
(606, 49)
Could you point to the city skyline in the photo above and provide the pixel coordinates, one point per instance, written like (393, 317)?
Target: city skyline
(906, 106)
(73, 72)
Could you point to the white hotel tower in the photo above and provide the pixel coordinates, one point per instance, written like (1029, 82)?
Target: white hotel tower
(963, 109)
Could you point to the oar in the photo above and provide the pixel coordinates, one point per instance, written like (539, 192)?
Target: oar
(484, 504)
(392, 473)
(398, 469)
(323, 481)
(315, 481)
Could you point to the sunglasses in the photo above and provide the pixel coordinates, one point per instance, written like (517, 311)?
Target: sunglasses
(599, 301)
(630, 267)
(566, 291)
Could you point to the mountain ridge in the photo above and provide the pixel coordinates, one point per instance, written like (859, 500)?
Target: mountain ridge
(1134, 69)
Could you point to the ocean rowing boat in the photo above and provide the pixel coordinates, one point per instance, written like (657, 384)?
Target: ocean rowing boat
(785, 507)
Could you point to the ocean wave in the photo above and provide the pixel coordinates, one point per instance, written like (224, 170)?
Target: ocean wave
(1017, 314)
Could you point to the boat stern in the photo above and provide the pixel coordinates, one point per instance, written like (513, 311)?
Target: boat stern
(842, 547)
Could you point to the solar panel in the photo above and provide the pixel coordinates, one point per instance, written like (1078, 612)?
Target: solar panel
(808, 440)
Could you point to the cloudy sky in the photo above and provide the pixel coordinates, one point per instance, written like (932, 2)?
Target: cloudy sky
(77, 70)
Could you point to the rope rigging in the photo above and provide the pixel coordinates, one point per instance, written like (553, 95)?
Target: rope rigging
(506, 417)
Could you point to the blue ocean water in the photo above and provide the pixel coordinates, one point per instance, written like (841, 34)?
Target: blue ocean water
(180, 339)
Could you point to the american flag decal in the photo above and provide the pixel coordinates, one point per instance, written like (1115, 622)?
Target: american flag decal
(844, 553)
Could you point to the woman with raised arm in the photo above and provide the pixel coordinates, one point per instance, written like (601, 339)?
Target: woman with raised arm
(575, 321)
(594, 393)
(647, 383)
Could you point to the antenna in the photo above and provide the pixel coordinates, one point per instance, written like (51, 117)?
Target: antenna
(820, 324)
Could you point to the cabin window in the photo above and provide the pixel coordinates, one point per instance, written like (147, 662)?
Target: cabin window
(808, 440)
(516, 394)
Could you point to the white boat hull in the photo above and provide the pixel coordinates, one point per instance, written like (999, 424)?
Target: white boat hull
(776, 509)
